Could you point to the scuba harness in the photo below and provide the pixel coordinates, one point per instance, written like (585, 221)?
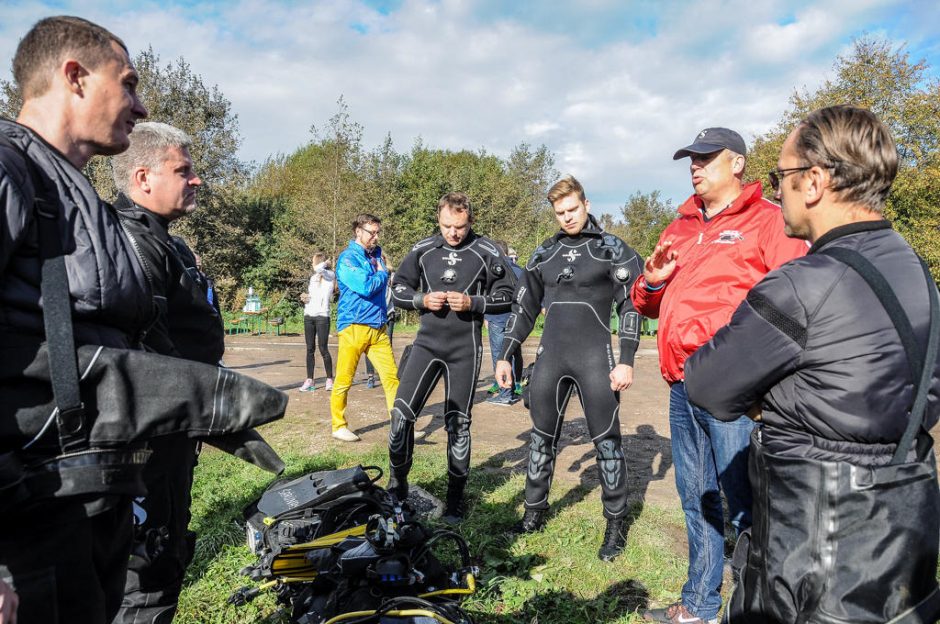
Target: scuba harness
(333, 540)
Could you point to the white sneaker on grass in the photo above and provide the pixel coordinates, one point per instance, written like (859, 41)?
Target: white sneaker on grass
(344, 434)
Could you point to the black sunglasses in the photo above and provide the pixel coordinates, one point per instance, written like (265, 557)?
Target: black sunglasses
(776, 175)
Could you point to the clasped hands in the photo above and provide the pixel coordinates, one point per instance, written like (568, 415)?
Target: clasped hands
(438, 300)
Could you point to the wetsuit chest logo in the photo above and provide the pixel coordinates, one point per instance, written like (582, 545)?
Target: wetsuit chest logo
(572, 255)
(452, 258)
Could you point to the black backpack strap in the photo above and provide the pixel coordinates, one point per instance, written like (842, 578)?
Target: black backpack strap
(57, 312)
(920, 362)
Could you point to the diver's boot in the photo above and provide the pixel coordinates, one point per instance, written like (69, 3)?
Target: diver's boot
(615, 538)
(456, 508)
(532, 520)
(398, 487)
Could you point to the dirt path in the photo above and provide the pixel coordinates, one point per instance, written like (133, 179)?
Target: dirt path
(499, 433)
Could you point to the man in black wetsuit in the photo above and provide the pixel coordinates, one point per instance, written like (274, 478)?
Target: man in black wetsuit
(157, 185)
(575, 276)
(453, 279)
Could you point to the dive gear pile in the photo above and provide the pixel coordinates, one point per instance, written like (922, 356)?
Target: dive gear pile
(335, 547)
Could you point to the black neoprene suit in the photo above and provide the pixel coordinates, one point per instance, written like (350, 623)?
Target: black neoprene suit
(576, 279)
(449, 344)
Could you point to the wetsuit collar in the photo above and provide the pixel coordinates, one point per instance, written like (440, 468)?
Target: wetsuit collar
(591, 228)
(848, 229)
(468, 239)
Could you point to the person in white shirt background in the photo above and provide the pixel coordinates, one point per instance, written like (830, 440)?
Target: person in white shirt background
(317, 318)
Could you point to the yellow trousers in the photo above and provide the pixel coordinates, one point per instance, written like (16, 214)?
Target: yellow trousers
(355, 340)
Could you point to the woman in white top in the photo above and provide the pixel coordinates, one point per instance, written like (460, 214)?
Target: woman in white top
(317, 318)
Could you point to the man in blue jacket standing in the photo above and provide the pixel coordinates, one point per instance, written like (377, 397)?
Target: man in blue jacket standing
(361, 316)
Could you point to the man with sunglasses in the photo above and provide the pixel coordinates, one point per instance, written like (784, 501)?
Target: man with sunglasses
(836, 354)
(361, 315)
(726, 238)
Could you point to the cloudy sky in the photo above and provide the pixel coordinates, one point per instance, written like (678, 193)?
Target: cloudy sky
(612, 87)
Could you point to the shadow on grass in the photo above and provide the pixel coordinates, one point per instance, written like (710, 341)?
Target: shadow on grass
(257, 365)
(612, 604)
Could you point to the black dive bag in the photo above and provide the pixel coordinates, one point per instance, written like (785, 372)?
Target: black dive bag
(833, 542)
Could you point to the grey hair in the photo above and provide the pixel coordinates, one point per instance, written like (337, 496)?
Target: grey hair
(150, 141)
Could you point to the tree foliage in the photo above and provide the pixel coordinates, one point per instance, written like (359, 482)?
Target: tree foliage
(882, 78)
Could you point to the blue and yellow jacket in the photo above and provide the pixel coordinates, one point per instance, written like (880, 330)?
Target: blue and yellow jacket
(362, 287)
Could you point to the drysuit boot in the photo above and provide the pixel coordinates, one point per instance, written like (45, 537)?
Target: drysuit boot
(398, 487)
(532, 520)
(615, 538)
(456, 508)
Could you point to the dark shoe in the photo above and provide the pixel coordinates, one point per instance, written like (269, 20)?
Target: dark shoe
(370, 382)
(398, 488)
(615, 538)
(675, 614)
(532, 520)
(502, 399)
(456, 508)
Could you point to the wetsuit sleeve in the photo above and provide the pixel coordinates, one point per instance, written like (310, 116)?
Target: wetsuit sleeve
(406, 287)
(526, 307)
(360, 279)
(626, 265)
(500, 284)
(763, 343)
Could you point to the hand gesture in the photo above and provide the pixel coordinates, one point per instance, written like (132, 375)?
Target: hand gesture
(621, 377)
(305, 297)
(661, 263)
(504, 374)
(8, 603)
(458, 302)
(435, 301)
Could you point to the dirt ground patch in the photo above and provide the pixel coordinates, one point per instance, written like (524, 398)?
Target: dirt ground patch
(500, 434)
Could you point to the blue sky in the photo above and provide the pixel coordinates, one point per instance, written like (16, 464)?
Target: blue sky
(612, 87)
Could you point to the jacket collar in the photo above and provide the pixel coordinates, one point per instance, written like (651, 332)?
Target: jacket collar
(750, 194)
(359, 249)
(848, 229)
(127, 206)
(466, 242)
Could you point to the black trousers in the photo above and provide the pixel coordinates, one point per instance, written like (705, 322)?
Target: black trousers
(583, 358)
(65, 566)
(163, 544)
(459, 365)
(317, 331)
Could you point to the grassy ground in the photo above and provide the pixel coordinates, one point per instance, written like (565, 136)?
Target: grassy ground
(552, 576)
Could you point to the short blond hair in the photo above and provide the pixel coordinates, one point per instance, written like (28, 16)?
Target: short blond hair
(565, 187)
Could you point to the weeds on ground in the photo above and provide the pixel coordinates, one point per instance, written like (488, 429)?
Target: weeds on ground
(550, 576)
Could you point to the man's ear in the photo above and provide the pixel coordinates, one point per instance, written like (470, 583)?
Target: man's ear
(587, 205)
(141, 178)
(737, 165)
(74, 75)
(816, 181)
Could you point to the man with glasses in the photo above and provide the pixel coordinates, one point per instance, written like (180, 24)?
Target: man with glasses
(361, 316)
(726, 238)
(829, 353)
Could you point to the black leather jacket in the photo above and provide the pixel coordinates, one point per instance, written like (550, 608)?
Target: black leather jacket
(817, 347)
(188, 325)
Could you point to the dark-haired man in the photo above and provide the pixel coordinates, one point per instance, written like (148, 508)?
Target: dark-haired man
(576, 276)
(725, 239)
(66, 556)
(361, 315)
(846, 502)
(452, 279)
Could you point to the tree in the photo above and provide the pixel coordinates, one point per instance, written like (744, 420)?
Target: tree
(645, 216)
(881, 77)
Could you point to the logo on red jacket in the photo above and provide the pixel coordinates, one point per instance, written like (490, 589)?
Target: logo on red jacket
(729, 237)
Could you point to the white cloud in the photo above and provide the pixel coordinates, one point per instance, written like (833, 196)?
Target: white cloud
(612, 113)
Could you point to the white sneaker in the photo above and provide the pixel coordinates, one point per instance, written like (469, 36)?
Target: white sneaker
(344, 434)
(420, 435)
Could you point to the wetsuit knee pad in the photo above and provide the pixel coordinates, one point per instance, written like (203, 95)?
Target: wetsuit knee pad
(611, 463)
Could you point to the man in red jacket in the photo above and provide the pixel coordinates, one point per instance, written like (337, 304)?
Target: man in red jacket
(726, 239)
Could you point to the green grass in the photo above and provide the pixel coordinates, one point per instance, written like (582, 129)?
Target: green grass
(551, 576)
